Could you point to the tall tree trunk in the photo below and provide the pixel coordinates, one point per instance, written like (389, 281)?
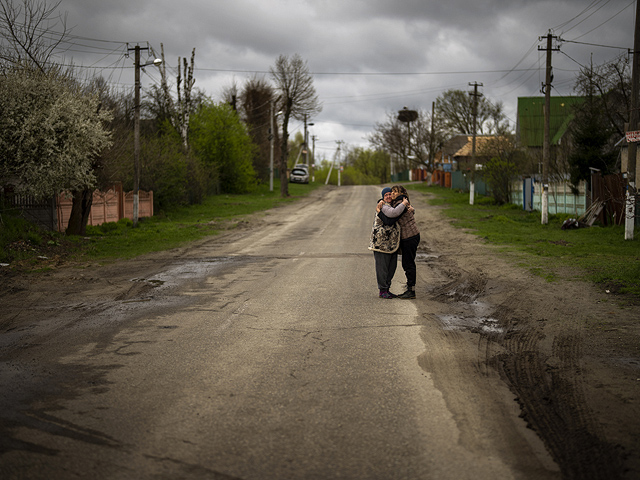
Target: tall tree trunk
(80, 209)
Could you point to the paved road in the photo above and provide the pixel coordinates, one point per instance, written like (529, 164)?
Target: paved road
(266, 357)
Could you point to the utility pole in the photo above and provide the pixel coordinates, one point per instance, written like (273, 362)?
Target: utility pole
(136, 137)
(340, 142)
(632, 149)
(306, 140)
(306, 146)
(546, 145)
(136, 129)
(432, 140)
(271, 138)
(474, 113)
(336, 155)
(313, 157)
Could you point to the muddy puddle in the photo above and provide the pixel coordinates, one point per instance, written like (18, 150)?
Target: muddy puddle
(186, 271)
(158, 292)
(474, 317)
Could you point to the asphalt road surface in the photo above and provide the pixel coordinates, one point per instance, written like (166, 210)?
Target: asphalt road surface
(265, 354)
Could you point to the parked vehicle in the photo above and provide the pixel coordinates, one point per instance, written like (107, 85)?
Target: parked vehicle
(299, 175)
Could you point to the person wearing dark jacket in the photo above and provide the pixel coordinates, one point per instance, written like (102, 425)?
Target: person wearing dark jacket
(384, 242)
(409, 237)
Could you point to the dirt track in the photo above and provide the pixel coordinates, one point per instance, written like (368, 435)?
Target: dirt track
(568, 351)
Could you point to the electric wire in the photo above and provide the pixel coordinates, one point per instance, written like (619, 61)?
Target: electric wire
(606, 21)
(577, 16)
(589, 16)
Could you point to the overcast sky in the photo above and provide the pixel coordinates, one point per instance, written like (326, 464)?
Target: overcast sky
(369, 58)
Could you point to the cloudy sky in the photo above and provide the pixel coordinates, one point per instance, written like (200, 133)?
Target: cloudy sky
(369, 58)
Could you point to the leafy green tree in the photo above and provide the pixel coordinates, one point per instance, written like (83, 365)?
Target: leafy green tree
(373, 165)
(591, 135)
(503, 165)
(224, 146)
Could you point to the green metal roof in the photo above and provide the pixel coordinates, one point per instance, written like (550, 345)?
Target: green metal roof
(531, 119)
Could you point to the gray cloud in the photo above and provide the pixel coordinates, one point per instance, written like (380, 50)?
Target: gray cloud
(435, 45)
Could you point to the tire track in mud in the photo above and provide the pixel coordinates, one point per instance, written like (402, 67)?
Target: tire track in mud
(547, 382)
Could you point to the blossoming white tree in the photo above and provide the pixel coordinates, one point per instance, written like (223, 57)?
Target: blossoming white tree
(50, 133)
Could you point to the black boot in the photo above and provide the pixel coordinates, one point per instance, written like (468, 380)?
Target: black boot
(410, 294)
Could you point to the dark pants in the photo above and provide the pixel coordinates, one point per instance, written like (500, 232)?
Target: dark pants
(386, 264)
(409, 247)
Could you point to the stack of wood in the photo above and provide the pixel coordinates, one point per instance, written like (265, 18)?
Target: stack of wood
(591, 213)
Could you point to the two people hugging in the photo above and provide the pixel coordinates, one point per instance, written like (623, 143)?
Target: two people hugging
(394, 229)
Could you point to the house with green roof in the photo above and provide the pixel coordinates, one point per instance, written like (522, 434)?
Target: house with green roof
(530, 122)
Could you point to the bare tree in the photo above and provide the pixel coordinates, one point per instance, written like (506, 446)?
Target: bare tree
(409, 144)
(297, 99)
(162, 103)
(609, 85)
(30, 33)
(455, 109)
(230, 94)
(184, 97)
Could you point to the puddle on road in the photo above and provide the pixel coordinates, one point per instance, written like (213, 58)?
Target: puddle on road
(476, 320)
(160, 297)
(475, 325)
(425, 257)
(178, 273)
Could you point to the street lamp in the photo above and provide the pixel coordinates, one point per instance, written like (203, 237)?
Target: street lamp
(306, 140)
(136, 129)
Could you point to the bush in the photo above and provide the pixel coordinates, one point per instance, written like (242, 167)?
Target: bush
(497, 173)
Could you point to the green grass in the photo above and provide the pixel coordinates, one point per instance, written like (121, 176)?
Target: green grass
(599, 254)
(22, 243)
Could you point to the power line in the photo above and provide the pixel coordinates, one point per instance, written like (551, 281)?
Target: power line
(593, 44)
(609, 19)
(365, 74)
(590, 15)
(578, 15)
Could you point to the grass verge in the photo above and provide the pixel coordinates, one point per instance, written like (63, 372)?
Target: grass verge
(599, 254)
(26, 247)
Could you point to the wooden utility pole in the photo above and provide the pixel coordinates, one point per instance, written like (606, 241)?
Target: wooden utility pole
(474, 113)
(432, 140)
(136, 128)
(546, 145)
(271, 138)
(632, 149)
(136, 137)
(313, 157)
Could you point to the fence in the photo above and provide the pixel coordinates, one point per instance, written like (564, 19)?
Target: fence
(109, 206)
(461, 181)
(561, 198)
(42, 212)
(608, 189)
(54, 213)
